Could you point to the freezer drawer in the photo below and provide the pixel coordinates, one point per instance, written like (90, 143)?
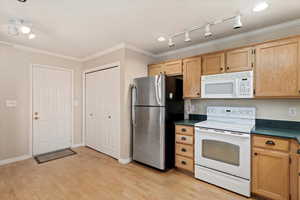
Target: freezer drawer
(149, 136)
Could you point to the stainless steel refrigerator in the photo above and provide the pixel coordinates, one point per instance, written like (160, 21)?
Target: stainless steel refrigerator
(156, 103)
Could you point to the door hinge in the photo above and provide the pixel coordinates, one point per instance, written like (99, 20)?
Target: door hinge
(253, 51)
(290, 160)
(252, 64)
(290, 196)
(254, 91)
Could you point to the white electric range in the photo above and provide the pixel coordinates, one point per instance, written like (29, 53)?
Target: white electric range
(222, 148)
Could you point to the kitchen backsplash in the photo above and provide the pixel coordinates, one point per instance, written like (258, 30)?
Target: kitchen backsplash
(275, 109)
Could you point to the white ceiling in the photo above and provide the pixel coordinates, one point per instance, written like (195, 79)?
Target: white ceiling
(80, 28)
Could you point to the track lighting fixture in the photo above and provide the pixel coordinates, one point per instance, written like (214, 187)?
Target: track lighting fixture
(207, 31)
(187, 37)
(171, 43)
(23, 1)
(237, 22)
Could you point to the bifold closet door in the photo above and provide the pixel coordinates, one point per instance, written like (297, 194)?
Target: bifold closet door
(103, 111)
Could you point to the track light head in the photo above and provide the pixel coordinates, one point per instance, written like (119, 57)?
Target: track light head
(207, 33)
(187, 37)
(237, 22)
(23, 1)
(171, 42)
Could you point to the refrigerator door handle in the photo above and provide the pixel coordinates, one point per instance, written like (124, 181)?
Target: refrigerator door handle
(158, 89)
(133, 96)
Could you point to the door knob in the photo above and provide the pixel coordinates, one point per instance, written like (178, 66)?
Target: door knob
(109, 117)
(36, 113)
(36, 118)
(91, 114)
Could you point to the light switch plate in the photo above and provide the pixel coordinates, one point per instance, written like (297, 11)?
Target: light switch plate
(11, 103)
(292, 112)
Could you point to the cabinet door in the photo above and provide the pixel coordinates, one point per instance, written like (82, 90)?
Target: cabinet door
(173, 68)
(154, 69)
(213, 63)
(270, 174)
(239, 60)
(277, 68)
(191, 77)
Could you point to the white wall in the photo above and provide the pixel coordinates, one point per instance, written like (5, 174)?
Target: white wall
(15, 85)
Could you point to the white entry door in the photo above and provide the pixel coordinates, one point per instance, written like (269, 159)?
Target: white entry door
(102, 90)
(52, 109)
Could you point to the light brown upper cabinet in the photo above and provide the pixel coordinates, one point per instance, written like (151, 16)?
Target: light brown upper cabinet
(213, 63)
(172, 68)
(155, 69)
(239, 60)
(191, 77)
(278, 68)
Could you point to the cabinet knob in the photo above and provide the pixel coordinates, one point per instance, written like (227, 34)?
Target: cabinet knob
(183, 162)
(255, 154)
(198, 93)
(183, 130)
(183, 138)
(270, 142)
(227, 68)
(183, 150)
(221, 68)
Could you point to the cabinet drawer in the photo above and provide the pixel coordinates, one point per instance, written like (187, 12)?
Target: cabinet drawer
(185, 130)
(185, 150)
(271, 143)
(184, 163)
(184, 139)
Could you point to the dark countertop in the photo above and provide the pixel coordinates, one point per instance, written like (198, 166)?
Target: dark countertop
(193, 119)
(187, 122)
(277, 132)
(277, 128)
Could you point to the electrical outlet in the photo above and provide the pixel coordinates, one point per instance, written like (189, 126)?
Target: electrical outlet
(292, 112)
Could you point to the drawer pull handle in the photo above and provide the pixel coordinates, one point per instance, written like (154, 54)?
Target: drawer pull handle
(255, 154)
(270, 142)
(183, 150)
(183, 138)
(183, 130)
(183, 162)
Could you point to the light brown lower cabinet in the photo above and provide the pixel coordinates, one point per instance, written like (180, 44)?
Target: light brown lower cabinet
(184, 148)
(275, 168)
(270, 174)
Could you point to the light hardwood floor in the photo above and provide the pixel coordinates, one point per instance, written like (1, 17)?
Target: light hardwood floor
(90, 175)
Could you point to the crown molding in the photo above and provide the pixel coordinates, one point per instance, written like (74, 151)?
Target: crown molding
(34, 50)
(115, 48)
(230, 38)
(134, 48)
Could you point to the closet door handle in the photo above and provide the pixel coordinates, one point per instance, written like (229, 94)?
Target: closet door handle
(183, 162)
(183, 150)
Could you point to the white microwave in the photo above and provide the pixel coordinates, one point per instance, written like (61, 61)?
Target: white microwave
(227, 85)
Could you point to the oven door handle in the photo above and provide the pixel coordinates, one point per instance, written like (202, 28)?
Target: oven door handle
(210, 131)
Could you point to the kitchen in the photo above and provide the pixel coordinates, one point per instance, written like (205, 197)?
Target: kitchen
(200, 102)
(229, 146)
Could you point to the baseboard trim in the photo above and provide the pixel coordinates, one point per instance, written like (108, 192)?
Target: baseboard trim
(77, 145)
(15, 159)
(125, 161)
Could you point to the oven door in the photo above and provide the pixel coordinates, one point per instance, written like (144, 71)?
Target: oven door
(223, 151)
(219, 88)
